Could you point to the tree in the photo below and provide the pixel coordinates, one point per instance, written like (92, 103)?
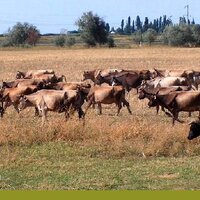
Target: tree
(92, 29)
(150, 35)
(133, 26)
(111, 42)
(70, 41)
(193, 22)
(60, 41)
(160, 24)
(127, 29)
(146, 24)
(196, 34)
(122, 25)
(107, 27)
(137, 37)
(138, 23)
(178, 35)
(22, 34)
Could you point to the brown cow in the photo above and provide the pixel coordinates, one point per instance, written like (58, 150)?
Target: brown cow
(11, 96)
(68, 85)
(29, 74)
(107, 95)
(143, 93)
(24, 83)
(49, 78)
(175, 102)
(92, 74)
(44, 101)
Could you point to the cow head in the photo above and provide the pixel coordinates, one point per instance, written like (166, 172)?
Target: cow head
(152, 101)
(194, 131)
(20, 75)
(89, 75)
(23, 103)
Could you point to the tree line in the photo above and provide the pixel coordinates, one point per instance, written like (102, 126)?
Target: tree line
(95, 31)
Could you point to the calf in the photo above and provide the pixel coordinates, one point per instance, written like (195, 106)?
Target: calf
(107, 95)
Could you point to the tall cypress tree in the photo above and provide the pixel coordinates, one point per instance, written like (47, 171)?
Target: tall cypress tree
(138, 23)
(122, 25)
(146, 24)
(127, 29)
(133, 26)
(160, 24)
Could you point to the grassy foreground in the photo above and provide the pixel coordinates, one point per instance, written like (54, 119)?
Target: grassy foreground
(142, 151)
(61, 166)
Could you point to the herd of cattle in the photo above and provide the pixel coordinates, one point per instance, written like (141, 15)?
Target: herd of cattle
(172, 90)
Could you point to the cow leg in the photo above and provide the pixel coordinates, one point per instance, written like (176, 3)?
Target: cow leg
(16, 107)
(80, 113)
(157, 109)
(99, 109)
(126, 103)
(175, 118)
(6, 105)
(90, 102)
(36, 112)
(2, 110)
(44, 116)
(119, 108)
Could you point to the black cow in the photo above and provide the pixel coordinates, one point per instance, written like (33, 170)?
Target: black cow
(194, 130)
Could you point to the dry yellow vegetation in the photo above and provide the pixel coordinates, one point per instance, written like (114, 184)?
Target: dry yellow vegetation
(142, 134)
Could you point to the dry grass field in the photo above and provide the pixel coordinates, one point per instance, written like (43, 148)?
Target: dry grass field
(142, 151)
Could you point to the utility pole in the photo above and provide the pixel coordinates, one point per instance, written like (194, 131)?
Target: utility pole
(188, 15)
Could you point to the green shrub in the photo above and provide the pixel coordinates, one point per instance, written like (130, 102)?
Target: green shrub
(70, 41)
(111, 42)
(60, 41)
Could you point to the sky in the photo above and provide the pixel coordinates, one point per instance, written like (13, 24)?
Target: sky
(55, 16)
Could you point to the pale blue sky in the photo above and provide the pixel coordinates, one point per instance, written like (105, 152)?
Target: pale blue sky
(55, 15)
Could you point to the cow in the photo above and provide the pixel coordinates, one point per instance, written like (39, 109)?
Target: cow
(54, 100)
(175, 102)
(11, 96)
(165, 82)
(194, 131)
(190, 75)
(44, 101)
(49, 78)
(23, 82)
(92, 74)
(29, 74)
(173, 73)
(131, 79)
(107, 95)
(68, 85)
(143, 93)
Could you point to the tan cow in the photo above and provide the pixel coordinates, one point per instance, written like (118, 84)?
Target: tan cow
(44, 101)
(107, 95)
(29, 74)
(11, 96)
(92, 74)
